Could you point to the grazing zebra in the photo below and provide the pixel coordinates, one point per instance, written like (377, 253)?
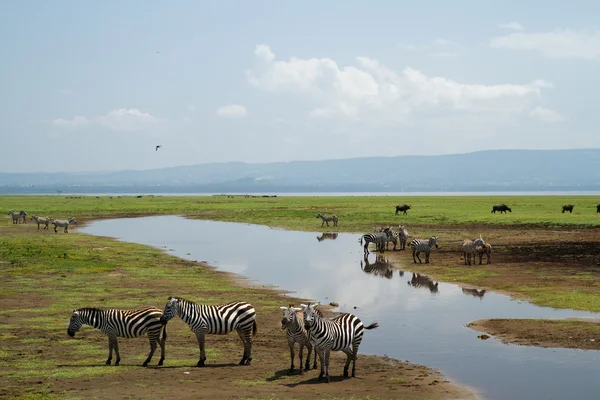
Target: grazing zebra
(219, 319)
(16, 217)
(324, 236)
(503, 208)
(326, 219)
(343, 332)
(568, 207)
(123, 323)
(378, 238)
(293, 323)
(423, 245)
(469, 248)
(403, 208)
(485, 249)
(41, 221)
(381, 267)
(418, 280)
(64, 224)
(403, 236)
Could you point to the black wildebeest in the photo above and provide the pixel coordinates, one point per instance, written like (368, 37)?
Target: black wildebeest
(568, 207)
(403, 208)
(500, 207)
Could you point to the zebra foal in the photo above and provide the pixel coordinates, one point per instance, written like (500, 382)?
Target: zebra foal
(116, 323)
(41, 221)
(470, 247)
(343, 332)
(326, 219)
(63, 224)
(219, 319)
(423, 246)
(293, 323)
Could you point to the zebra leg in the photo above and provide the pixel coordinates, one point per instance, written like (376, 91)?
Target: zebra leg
(366, 248)
(110, 350)
(292, 355)
(200, 337)
(161, 342)
(152, 348)
(116, 347)
(315, 356)
(301, 356)
(348, 358)
(322, 359)
(246, 337)
(327, 352)
(354, 357)
(426, 257)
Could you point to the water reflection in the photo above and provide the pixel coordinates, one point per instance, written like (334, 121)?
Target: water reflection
(381, 267)
(327, 235)
(416, 324)
(423, 281)
(473, 292)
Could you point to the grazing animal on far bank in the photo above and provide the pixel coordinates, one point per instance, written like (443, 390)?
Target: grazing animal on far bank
(503, 208)
(326, 219)
(41, 221)
(123, 323)
(423, 245)
(343, 332)
(568, 207)
(485, 249)
(402, 207)
(64, 224)
(221, 319)
(293, 323)
(469, 247)
(331, 236)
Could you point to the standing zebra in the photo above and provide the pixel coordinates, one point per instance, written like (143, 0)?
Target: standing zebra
(64, 224)
(343, 332)
(41, 221)
(219, 319)
(293, 323)
(123, 323)
(326, 219)
(378, 238)
(422, 245)
(23, 215)
(470, 247)
(16, 217)
(403, 236)
(485, 249)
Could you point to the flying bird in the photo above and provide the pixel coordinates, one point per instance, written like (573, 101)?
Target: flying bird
(158, 147)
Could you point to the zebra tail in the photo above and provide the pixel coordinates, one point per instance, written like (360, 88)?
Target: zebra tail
(372, 326)
(164, 335)
(254, 328)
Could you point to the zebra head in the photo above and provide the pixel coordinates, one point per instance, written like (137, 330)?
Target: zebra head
(433, 241)
(289, 315)
(319, 215)
(72, 220)
(171, 310)
(310, 314)
(75, 323)
(478, 242)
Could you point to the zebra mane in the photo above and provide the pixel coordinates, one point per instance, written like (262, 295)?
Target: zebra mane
(89, 309)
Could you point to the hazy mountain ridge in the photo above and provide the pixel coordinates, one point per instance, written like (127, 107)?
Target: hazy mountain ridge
(495, 170)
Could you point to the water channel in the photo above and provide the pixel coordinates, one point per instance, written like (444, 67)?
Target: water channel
(423, 324)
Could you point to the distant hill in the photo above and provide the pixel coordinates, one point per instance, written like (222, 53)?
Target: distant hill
(497, 170)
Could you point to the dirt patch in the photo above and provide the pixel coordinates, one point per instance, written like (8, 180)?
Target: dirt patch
(568, 333)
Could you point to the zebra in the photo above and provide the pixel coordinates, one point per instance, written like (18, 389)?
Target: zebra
(328, 218)
(392, 237)
(423, 245)
(378, 238)
(63, 223)
(343, 332)
(218, 319)
(403, 236)
(469, 248)
(293, 323)
(23, 214)
(123, 323)
(41, 221)
(485, 249)
(16, 217)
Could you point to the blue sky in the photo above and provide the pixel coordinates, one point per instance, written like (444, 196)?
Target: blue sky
(95, 85)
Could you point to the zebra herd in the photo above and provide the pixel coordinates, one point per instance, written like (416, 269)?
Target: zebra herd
(45, 221)
(306, 326)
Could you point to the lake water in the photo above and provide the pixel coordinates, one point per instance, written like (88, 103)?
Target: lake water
(415, 323)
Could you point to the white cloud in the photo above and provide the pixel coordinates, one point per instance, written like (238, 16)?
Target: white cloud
(370, 90)
(546, 115)
(72, 123)
(513, 26)
(232, 111)
(128, 120)
(563, 43)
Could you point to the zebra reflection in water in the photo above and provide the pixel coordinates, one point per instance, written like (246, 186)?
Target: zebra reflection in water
(474, 292)
(327, 235)
(423, 281)
(381, 267)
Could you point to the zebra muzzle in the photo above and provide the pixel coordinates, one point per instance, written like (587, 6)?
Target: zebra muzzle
(70, 333)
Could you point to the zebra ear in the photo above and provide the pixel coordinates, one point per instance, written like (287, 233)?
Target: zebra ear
(297, 309)
(315, 305)
(283, 308)
(303, 306)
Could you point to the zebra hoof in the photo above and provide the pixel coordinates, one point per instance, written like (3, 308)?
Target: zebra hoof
(345, 373)
(160, 362)
(116, 363)
(200, 364)
(107, 362)
(321, 377)
(145, 364)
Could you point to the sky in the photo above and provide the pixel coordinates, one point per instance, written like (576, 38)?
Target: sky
(95, 86)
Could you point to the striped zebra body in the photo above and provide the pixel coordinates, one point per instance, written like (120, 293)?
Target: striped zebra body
(326, 219)
(16, 217)
(403, 236)
(485, 249)
(221, 319)
(293, 323)
(380, 239)
(41, 221)
(63, 224)
(469, 247)
(393, 237)
(423, 246)
(123, 323)
(343, 332)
